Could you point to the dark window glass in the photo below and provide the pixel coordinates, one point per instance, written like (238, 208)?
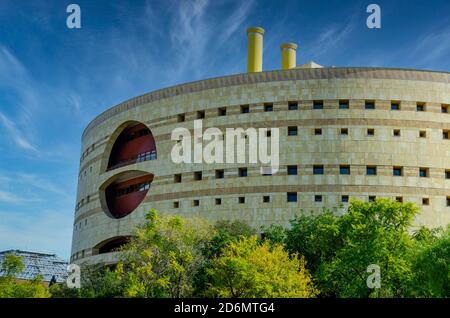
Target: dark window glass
(369, 105)
(343, 104)
(292, 131)
(292, 170)
(397, 172)
(318, 104)
(292, 197)
(293, 106)
(395, 106)
(344, 169)
(317, 198)
(318, 169)
(371, 170)
(268, 107)
(344, 198)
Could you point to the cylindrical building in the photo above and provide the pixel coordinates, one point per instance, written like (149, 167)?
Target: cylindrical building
(345, 133)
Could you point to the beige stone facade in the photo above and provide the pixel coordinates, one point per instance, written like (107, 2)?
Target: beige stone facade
(407, 140)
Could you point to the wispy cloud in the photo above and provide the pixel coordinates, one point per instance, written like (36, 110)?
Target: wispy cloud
(15, 134)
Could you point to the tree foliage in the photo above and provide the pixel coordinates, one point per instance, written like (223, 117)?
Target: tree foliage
(249, 269)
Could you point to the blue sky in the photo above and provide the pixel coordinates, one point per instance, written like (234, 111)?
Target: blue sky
(54, 80)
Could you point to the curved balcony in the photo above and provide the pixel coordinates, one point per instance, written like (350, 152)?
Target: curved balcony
(134, 144)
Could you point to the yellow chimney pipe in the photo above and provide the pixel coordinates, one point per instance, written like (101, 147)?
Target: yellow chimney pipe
(255, 49)
(288, 56)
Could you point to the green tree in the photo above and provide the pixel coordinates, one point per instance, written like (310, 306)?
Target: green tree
(163, 257)
(431, 265)
(11, 287)
(246, 268)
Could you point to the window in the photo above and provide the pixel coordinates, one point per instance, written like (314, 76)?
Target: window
(448, 201)
(344, 198)
(317, 198)
(292, 197)
(396, 132)
(318, 169)
(369, 105)
(180, 118)
(318, 104)
(293, 105)
(447, 174)
(344, 131)
(269, 133)
(241, 200)
(268, 107)
(370, 132)
(372, 198)
(343, 104)
(344, 169)
(218, 201)
(196, 202)
(397, 171)
(292, 131)
(176, 205)
(222, 111)
(242, 172)
(423, 172)
(371, 170)
(395, 106)
(425, 201)
(318, 131)
(266, 199)
(219, 174)
(420, 107)
(177, 178)
(197, 175)
(399, 199)
(444, 108)
(422, 134)
(245, 109)
(200, 114)
(292, 170)
(445, 134)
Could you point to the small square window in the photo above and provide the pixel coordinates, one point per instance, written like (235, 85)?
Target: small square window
(343, 104)
(371, 170)
(268, 107)
(420, 107)
(269, 133)
(176, 205)
(370, 132)
(218, 201)
(200, 114)
(396, 132)
(317, 198)
(372, 198)
(177, 178)
(196, 202)
(293, 105)
(445, 134)
(397, 171)
(292, 197)
(245, 109)
(292, 131)
(423, 172)
(344, 198)
(220, 174)
(197, 175)
(266, 198)
(344, 169)
(222, 111)
(399, 199)
(369, 105)
(292, 170)
(241, 200)
(422, 134)
(344, 131)
(318, 104)
(447, 174)
(180, 118)
(318, 131)
(242, 172)
(318, 169)
(425, 201)
(395, 106)
(444, 109)
(448, 201)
